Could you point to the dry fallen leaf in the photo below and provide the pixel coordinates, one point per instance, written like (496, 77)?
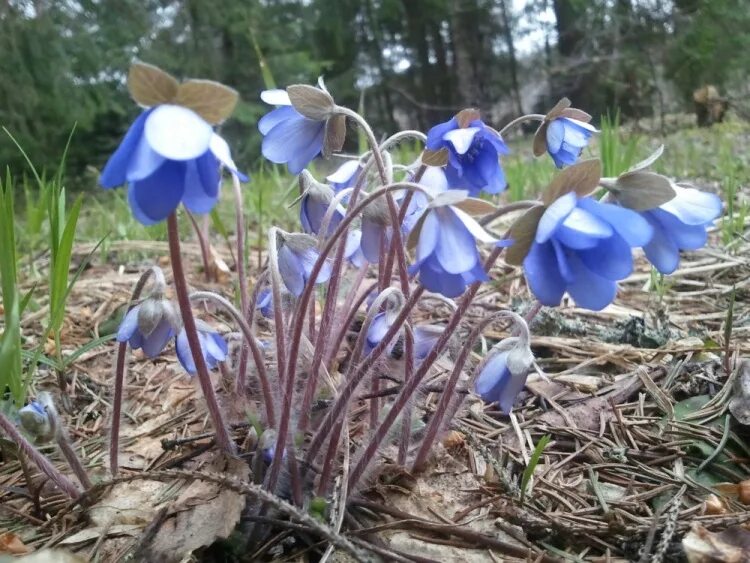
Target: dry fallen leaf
(44, 556)
(11, 543)
(729, 546)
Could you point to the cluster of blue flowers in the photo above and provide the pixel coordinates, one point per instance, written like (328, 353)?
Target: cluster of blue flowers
(573, 242)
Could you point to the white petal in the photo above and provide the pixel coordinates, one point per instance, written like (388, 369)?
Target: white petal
(276, 97)
(554, 215)
(177, 133)
(582, 124)
(475, 228)
(344, 172)
(461, 138)
(434, 180)
(143, 162)
(220, 148)
(692, 206)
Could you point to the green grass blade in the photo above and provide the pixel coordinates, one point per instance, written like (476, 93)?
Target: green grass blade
(533, 461)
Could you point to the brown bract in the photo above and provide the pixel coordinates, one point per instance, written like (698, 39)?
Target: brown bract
(311, 102)
(150, 86)
(641, 190)
(561, 109)
(466, 116)
(435, 158)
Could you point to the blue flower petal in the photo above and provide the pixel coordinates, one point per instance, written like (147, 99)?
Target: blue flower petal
(155, 342)
(115, 171)
(307, 153)
(661, 251)
(554, 215)
(128, 325)
(276, 116)
(456, 248)
(290, 268)
(154, 198)
(201, 177)
(143, 162)
(686, 237)
(435, 135)
(590, 290)
(543, 274)
(611, 259)
(182, 347)
(295, 141)
(694, 207)
(493, 375)
(630, 225)
(372, 237)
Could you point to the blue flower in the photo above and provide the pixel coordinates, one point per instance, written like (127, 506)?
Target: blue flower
(680, 224)
(149, 326)
(313, 207)
(566, 139)
(583, 247)
(376, 230)
(169, 155)
(264, 304)
(297, 256)
(213, 347)
(434, 181)
(425, 338)
(353, 249)
(506, 368)
(345, 176)
(380, 325)
(473, 153)
(447, 257)
(289, 137)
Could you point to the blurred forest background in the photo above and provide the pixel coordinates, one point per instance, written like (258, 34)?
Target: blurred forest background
(410, 63)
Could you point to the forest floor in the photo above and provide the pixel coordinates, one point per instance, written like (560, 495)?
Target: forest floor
(644, 450)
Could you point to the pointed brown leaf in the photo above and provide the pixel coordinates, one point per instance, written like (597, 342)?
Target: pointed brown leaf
(540, 139)
(335, 135)
(574, 113)
(581, 178)
(556, 111)
(523, 232)
(311, 102)
(640, 190)
(213, 101)
(466, 116)
(476, 207)
(435, 158)
(150, 86)
(411, 242)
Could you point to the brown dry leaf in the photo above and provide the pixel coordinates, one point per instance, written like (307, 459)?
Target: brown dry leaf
(729, 546)
(128, 504)
(581, 178)
(310, 101)
(466, 116)
(522, 232)
(218, 268)
(11, 543)
(203, 513)
(213, 101)
(643, 190)
(151, 86)
(435, 158)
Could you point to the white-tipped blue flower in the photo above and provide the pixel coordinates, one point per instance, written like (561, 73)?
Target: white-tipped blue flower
(564, 133)
(297, 255)
(314, 205)
(680, 224)
(150, 325)
(264, 304)
(213, 347)
(345, 175)
(505, 369)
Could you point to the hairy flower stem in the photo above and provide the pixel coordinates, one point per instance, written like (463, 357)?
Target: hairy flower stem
(241, 382)
(253, 345)
(411, 386)
(375, 151)
(351, 309)
(403, 448)
(203, 244)
(287, 377)
(524, 118)
(355, 376)
(183, 299)
(278, 311)
(122, 349)
(446, 396)
(65, 484)
(69, 453)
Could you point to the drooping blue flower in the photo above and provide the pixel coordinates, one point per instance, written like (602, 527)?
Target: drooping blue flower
(353, 249)
(506, 368)
(264, 304)
(447, 257)
(213, 347)
(297, 256)
(376, 230)
(680, 224)
(566, 139)
(434, 181)
(380, 325)
(474, 151)
(583, 247)
(425, 338)
(313, 207)
(345, 176)
(149, 325)
(289, 137)
(169, 155)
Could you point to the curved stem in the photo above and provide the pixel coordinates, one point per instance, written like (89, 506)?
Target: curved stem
(241, 383)
(122, 349)
(44, 465)
(247, 332)
(396, 138)
(287, 375)
(446, 396)
(180, 283)
(203, 244)
(377, 155)
(522, 119)
(352, 307)
(410, 386)
(278, 312)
